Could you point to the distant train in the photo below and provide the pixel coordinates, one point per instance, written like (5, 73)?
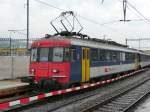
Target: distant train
(71, 58)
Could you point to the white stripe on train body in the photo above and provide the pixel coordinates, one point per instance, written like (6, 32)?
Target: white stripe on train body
(106, 70)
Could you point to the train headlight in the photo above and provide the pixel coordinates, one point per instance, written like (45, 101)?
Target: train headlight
(55, 71)
(32, 72)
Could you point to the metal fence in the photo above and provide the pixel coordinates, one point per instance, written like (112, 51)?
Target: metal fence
(15, 47)
(14, 57)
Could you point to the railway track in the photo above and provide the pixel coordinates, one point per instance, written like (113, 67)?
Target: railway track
(59, 105)
(122, 100)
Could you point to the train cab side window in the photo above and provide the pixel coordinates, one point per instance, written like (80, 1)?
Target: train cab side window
(44, 54)
(73, 54)
(33, 54)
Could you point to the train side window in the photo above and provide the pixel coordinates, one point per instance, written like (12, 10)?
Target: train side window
(73, 54)
(122, 56)
(102, 55)
(108, 55)
(50, 54)
(43, 56)
(66, 54)
(95, 55)
(130, 56)
(88, 54)
(83, 54)
(118, 56)
(127, 56)
(114, 56)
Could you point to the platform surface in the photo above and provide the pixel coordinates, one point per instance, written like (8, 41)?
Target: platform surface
(8, 84)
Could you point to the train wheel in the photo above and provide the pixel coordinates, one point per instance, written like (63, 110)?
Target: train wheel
(48, 85)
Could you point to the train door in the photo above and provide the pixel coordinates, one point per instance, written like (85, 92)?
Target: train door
(85, 64)
(43, 65)
(76, 64)
(137, 61)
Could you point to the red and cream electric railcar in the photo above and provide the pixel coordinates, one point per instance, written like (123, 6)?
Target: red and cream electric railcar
(73, 59)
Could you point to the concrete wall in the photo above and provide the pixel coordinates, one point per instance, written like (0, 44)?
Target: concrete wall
(13, 67)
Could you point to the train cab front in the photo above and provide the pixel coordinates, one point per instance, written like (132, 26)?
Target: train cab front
(50, 64)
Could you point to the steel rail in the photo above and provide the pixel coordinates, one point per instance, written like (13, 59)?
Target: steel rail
(134, 104)
(32, 103)
(106, 102)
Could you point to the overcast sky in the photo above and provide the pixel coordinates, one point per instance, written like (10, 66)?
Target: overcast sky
(13, 16)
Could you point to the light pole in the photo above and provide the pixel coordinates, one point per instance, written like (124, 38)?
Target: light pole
(12, 58)
(10, 42)
(27, 24)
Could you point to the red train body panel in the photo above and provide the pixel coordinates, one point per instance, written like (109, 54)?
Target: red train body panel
(59, 71)
(51, 43)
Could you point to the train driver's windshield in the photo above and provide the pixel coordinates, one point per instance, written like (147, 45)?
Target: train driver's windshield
(52, 54)
(58, 54)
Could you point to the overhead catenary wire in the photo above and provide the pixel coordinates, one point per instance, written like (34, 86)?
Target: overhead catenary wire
(129, 6)
(139, 19)
(82, 17)
(49, 5)
(97, 23)
(138, 12)
(135, 9)
(131, 20)
(133, 12)
(117, 21)
(90, 20)
(19, 32)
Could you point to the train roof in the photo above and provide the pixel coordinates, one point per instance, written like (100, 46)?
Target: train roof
(84, 40)
(111, 45)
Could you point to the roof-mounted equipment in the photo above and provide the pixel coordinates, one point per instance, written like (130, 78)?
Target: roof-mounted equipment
(64, 17)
